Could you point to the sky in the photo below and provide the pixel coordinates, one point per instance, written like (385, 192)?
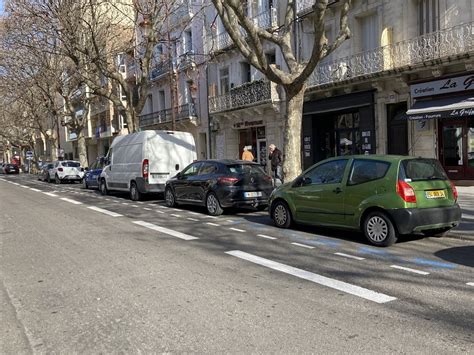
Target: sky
(1, 7)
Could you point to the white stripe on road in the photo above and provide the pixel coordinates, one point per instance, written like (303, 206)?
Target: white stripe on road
(213, 217)
(71, 201)
(192, 219)
(350, 256)
(147, 209)
(124, 203)
(165, 230)
(265, 236)
(319, 279)
(101, 210)
(175, 215)
(470, 283)
(410, 270)
(194, 213)
(212, 224)
(50, 194)
(237, 230)
(160, 212)
(303, 245)
(135, 206)
(25, 187)
(15, 183)
(35, 190)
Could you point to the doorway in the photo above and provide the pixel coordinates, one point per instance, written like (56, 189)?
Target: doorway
(397, 129)
(456, 148)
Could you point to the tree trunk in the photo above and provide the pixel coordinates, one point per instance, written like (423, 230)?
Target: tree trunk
(292, 134)
(54, 149)
(131, 119)
(82, 149)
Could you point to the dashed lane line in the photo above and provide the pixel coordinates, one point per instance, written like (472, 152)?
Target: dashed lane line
(101, 210)
(350, 256)
(175, 215)
(50, 194)
(147, 209)
(237, 230)
(32, 189)
(409, 270)
(192, 219)
(470, 283)
(212, 224)
(318, 279)
(265, 236)
(74, 202)
(303, 245)
(165, 230)
(160, 212)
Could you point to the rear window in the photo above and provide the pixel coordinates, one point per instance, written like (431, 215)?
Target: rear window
(422, 169)
(245, 169)
(71, 164)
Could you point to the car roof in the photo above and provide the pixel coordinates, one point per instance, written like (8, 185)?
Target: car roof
(228, 161)
(384, 157)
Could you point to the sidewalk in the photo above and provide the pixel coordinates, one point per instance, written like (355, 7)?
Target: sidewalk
(465, 230)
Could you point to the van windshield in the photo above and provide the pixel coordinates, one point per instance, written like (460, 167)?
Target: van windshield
(422, 169)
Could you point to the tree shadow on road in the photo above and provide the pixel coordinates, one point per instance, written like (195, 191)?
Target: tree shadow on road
(458, 255)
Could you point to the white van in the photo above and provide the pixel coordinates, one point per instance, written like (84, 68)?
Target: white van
(141, 162)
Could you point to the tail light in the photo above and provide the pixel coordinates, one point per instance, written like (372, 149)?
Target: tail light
(145, 167)
(406, 192)
(455, 191)
(267, 178)
(226, 180)
(60, 169)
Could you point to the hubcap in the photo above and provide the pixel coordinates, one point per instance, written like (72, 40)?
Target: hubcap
(280, 215)
(377, 229)
(169, 198)
(212, 203)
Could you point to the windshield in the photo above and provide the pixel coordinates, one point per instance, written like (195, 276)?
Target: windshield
(71, 164)
(245, 169)
(422, 169)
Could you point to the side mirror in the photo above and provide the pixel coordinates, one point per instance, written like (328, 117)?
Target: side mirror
(178, 176)
(306, 181)
(86, 168)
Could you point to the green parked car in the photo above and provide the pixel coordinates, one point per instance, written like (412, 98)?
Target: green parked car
(382, 195)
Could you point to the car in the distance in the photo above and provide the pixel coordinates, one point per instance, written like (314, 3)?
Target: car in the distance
(382, 195)
(45, 172)
(92, 174)
(11, 169)
(220, 184)
(67, 170)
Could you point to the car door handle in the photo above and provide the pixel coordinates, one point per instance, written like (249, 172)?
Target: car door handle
(337, 190)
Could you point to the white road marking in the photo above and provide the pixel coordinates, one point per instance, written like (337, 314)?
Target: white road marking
(134, 206)
(147, 209)
(470, 283)
(151, 204)
(237, 230)
(212, 224)
(160, 212)
(176, 209)
(35, 190)
(410, 270)
(50, 194)
(160, 206)
(350, 256)
(265, 236)
(230, 221)
(303, 245)
(319, 279)
(3, 180)
(101, 210)
(175, 215)
(71, 201)
(165, 230)
(15, 183)
(108, 199)
(124, 203)
(213, 217)
(194, 213)
(192, 219)
(25, 187)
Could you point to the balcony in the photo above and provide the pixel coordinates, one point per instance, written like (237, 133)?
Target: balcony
(184, 11)
(249, 94)
(185, 112)
(221, 41)
(160, 69)
(432, 48)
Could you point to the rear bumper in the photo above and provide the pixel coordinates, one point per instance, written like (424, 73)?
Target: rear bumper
(145, 187)
(412, 220)
(235, 198)
(70, 177)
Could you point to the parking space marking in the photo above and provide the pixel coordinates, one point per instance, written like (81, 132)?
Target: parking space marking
(349, 256)
(265, 236)
(160, 212)
(134, 206)
(125, 203)
(409, 269)
(101, 210)
(165, 230)
(212, 224)
(318, 279)
(147, 209)
(194, 213)
(71, 201)
(237, 230)
(50, 194)
(192, 219)
(175, 215)
(303, 245)
(470, 283)
(213, 217)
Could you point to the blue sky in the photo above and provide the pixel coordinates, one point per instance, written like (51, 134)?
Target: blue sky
(1, 6)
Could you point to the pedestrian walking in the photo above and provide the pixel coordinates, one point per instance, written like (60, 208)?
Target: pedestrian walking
(247, 154)
(276, 161)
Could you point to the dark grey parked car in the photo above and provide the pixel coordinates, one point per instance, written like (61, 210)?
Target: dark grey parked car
(220, 184)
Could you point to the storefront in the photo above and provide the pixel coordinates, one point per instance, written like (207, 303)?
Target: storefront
(450, 102)
(338, 126)
(253, 136)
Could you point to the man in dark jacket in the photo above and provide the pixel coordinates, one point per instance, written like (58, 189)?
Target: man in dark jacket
(276, 160)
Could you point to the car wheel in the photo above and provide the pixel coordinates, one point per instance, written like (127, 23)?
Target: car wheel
(170, 199)
(57, 180)
(135, 195)
(213, 205)
(103, 187)
(379, 229)
(84, 182)
(281, 214)
(48, 179)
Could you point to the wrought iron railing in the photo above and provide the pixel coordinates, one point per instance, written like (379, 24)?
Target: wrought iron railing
(160, 69)
(249, 94)
(304, 5)
(185, 112)
(444, 44)
(265, 19)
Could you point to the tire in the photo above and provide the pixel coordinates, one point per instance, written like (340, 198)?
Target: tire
(84, 182)
(57, 180)
(48, 179)
(379, 229)
(135, 195)
(213, 205)
(103, 187)
(281, 214)
(170, 198)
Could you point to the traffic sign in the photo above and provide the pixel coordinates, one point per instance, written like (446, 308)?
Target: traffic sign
(29, 154)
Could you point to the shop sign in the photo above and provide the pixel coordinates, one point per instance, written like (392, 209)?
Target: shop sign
(458, 84)
(247, 124)
(307, 146)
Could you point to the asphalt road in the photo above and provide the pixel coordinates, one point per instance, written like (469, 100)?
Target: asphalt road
(85, 273)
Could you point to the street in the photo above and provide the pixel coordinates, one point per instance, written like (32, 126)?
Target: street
(86, 273)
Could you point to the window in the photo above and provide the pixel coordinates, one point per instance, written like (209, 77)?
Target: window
(369, 32)
(428, 16)
(245, 169)
(327, 173)
(246, 73)
(191, 170)
(224, 80)
(188, 41)
(121, 63)
(422, 169)
(207, 168)
(271, 58)
(150, 103)
(161, 100)
(367, 170)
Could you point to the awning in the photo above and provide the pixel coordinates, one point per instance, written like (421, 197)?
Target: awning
(447, 107)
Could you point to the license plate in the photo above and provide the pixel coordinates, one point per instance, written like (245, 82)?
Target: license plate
(435, 194)
(253, 194)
